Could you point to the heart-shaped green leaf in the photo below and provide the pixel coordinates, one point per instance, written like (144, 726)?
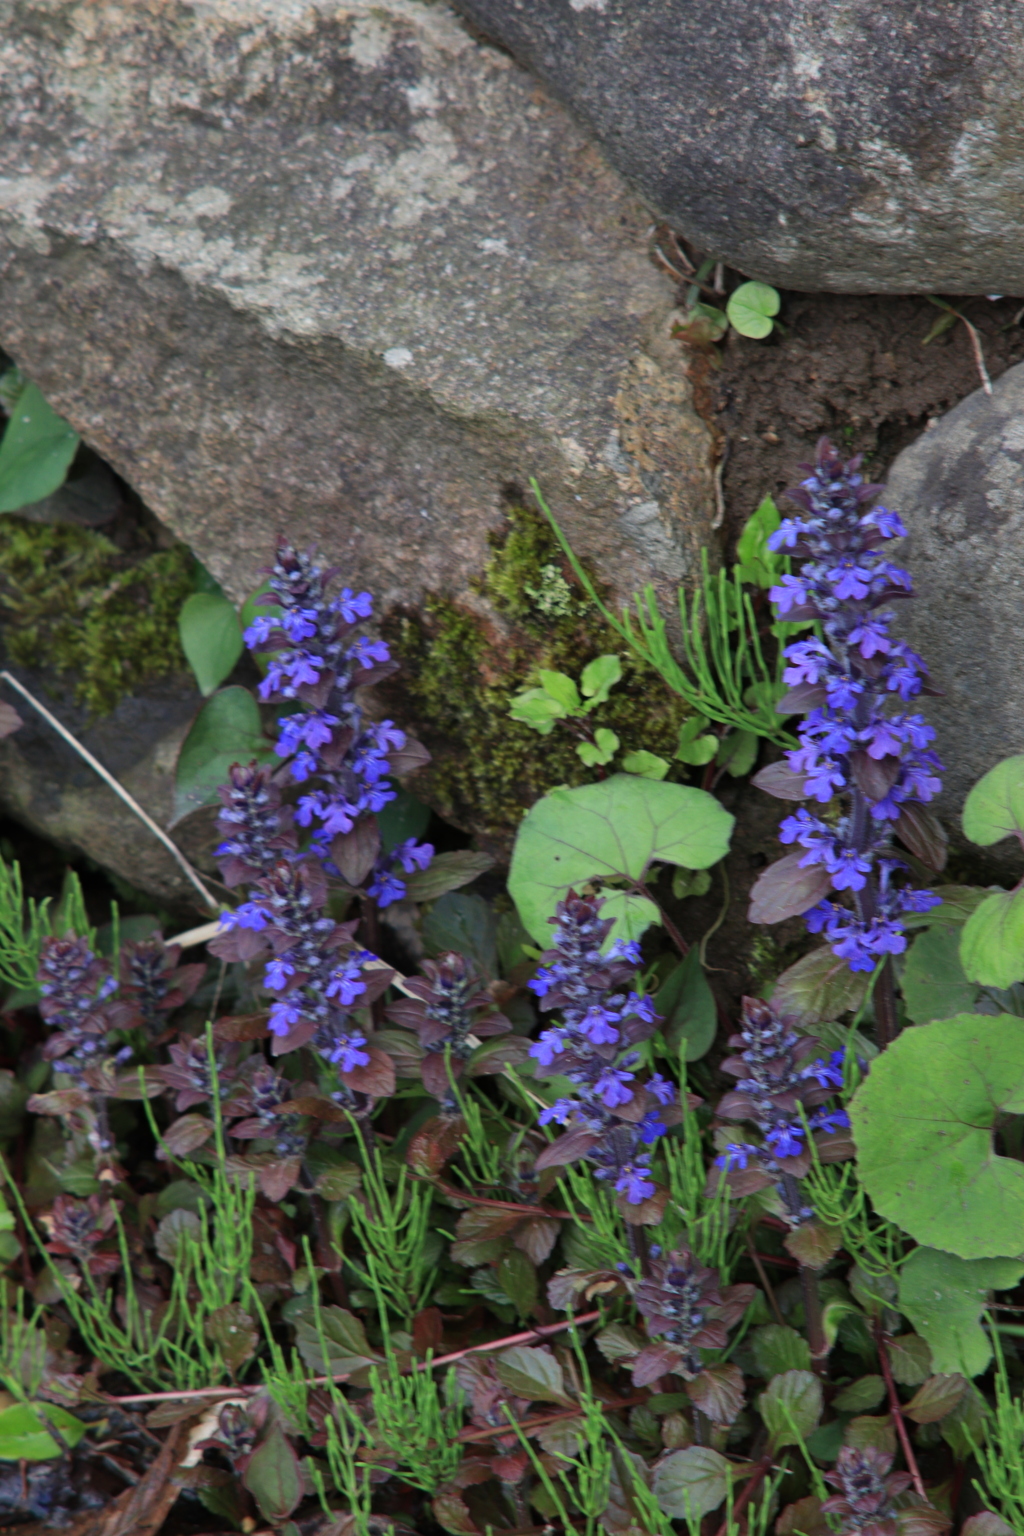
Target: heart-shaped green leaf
(690, 1483)
(226, 730)
(23, 1433)
(994, 809)
(923, 1122)
(992, 941)
(614, 830)
(35, 453)
(211, 638)
(750, 309)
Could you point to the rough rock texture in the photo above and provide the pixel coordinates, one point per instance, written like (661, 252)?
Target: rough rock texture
(960, 490)
(846, 145)
(342, 270)
(48, 787)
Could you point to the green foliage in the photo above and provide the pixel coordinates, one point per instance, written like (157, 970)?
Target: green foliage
(687, 1006)
(36, 448)
(992, 942)
(755, 562)
(751, 309)
(790, 1407)
(273, 1476)
(999, 1459)
(76, 603)
(726, 678)
(226, 730)
(691, 1482)
(923, 1122)
(400, 1250)
(945, 1297)
(211, 638)
(933, 981)
(25, 923)
(24, 1435)
(614, 832)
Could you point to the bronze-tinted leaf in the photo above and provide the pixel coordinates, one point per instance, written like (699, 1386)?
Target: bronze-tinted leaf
(817, 987)
(536, 1237)
(644, 1213)
(814, 1244)
(785, 889)
(242, 1026)
(653, 1361)
(435, 1144)
(377, 1078)
(277, 1177)
(234, 1333)
(405, 760)
(427, 1331)
(875, 775)
(718, 1392)
(355, 852)
(316, 1106)
(804, 1518)
(187, 1133)
(920, 830)
(778, 779)
(446, 872)
(567, 1149)
(802, 699)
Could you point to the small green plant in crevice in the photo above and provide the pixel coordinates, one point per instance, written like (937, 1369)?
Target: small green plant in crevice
(75, 603)
(36, 447)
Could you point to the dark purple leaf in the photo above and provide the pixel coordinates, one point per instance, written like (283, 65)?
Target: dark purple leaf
(718, 1392)
(408, 758)
(355, 852)
(447, 872)
(377, 1078)
(567, 1149)
(802, 699)
(875, 775)
(785, 889)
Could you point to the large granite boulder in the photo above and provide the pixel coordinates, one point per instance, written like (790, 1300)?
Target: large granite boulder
(960, 490)
(340, 270)
(845, 145)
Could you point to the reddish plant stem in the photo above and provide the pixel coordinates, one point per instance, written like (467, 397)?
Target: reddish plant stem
(500, 1205)
(422, 1365)
(467, 1436)
(759, 1266)
(897, 1412)
(750, 1487)
(815, 1327)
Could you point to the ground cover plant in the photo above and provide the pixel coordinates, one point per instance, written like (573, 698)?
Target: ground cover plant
(399, 1200)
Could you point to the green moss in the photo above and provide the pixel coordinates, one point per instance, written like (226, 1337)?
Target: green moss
(75, 603)
(460, 674)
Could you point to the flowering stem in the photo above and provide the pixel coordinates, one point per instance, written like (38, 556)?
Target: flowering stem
(895, 1410)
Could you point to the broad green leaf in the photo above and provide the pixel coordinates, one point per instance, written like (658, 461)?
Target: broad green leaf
(274, 1477)
(933, 982)
(777, 1349)
(601, 750)
(179, 1230)
(860, 1396)
(518, 1279)
(693, 747)
(211, 638)
(533, 1374)
(446, 872)
(923, 1122)
(690, 882)
(737, 753)
(910, 1359)
(647, 764)
(402, 818)
(598, 678)
(466, 923)
(819, 987)
(750, 309)
(790, 1407)
(226, 730)
(537, 709)
(994, 809)
(871, 1430)
(992, 941)
(755, 562)
(344, 1338)
(944, 1297)
(35, 452)
(687, 1005)
(23, 1433)
(690, 1483)
(562, 689)
(614, 830)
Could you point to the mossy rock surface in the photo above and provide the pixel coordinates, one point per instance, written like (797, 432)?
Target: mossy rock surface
(104, 619)
(462, 667)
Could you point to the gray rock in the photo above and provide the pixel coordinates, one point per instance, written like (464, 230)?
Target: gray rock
(45, 785)
(846, 145)
(960, 490)
(340, 270)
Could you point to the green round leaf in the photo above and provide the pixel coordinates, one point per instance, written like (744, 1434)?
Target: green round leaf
(933, 982)
(790, 1407)
(226, 730)
(647, 764)
(211, 638)
(274, 1477)
(687, 1006)
(944, 1297)
(35, 453)
(690, 1483)
(992, 941)
(994, 809)
(23, 1435)
(750, 309)
(923, 1120)
(613, 830)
